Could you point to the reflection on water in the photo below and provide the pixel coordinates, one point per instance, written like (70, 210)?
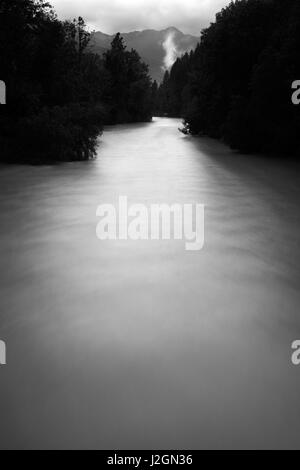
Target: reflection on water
(142, 344)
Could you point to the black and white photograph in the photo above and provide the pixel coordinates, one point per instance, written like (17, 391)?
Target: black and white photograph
(149, 234)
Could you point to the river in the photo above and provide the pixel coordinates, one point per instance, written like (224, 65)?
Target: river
(141, 344)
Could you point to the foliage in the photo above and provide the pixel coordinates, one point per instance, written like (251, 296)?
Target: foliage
(129, 85)
(236, 85)
(59, 94)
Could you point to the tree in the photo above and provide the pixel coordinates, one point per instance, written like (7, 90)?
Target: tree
(60, 94)
(50, 114)
(236, 85)
(129, 93)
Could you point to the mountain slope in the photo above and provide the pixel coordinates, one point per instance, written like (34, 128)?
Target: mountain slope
(159, 49)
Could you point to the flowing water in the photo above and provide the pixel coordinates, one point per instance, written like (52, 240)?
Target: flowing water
(141, 344)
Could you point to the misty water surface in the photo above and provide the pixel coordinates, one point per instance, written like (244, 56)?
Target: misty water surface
(142, 344)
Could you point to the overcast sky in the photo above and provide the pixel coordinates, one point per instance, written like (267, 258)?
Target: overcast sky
(111, 16)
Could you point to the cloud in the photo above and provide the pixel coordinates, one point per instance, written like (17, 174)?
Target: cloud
(111, 16)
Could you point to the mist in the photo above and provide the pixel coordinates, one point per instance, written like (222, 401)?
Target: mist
(171, 51)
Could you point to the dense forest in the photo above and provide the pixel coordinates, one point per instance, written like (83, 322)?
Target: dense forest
(236, 85)
(59, 94)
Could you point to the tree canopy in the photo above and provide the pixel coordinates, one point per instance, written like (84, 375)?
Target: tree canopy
(236, 85)
(59, 94)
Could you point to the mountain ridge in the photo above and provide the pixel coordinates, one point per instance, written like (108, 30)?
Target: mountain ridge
(158, 48)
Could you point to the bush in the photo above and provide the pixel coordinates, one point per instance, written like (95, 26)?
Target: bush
(55, 135)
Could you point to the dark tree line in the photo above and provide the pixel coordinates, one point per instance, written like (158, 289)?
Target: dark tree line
(236, 85)
(59, 94)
